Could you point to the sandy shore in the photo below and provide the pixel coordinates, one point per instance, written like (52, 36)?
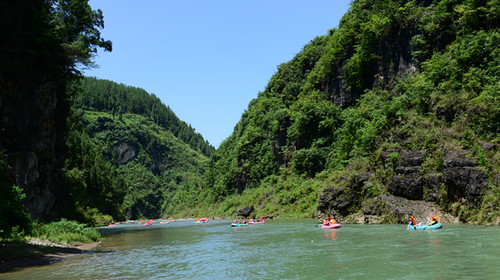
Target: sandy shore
(14, 255)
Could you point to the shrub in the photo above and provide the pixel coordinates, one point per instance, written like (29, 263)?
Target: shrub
(14, 218)
(66, 232)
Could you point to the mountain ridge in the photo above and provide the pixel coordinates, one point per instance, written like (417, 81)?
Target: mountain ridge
(349, 113)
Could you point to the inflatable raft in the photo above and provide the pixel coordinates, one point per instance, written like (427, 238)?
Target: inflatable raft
(239, 225)
(331, 226)
(256, 223)
(425, 227)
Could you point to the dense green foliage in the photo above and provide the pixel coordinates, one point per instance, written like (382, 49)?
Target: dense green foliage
(117, 99)
(131, 156)
(447, 100)
(13, 214)
(56, 36)
(65, 232)
(77, 26)
(395, 75)
(93, 185)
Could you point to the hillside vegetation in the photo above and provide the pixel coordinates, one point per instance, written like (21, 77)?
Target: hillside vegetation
(128, 162)
(118, 99)
(394, 113)
(392, 103)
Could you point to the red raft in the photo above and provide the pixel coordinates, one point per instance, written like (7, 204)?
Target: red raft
(331, 226)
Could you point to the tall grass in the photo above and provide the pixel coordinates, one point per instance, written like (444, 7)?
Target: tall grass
(65, 232)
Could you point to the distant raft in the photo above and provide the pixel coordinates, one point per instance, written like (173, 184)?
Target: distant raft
(239, 225)
(331, 226)
(426, 227)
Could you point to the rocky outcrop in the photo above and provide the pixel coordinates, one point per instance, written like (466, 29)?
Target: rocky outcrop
(401, 209)
(33, 107)
(409, 191)
(463, 180)
(32, 117)
(395, 60)
(341, 200)
(407, 182)
(245, 212)
(123, 153)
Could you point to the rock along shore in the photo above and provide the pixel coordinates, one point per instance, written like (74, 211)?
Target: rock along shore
(37, 252)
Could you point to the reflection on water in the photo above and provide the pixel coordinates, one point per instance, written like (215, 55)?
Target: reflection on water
(287, 249)
(331, 234)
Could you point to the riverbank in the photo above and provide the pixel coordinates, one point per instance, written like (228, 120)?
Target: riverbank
(36, 252)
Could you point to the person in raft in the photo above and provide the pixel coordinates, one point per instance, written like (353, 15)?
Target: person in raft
(413, 222)
(326, 222)
(261, 219)
(236, 221)
(250, 220)
(434, 221)
(244, 221)
(332, 221)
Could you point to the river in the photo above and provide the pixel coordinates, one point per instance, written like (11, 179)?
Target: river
(281, 249)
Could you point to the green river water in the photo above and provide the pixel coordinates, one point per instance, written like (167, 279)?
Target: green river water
(281, 249)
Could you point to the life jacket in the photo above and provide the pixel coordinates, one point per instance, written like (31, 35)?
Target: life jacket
(413, 222)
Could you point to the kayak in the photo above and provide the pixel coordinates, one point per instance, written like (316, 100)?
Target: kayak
(239, 225)
(331, 226)
(425, 227)
(255, 223)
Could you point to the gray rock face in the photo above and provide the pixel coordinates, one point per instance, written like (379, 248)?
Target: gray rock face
(336, 201)
(396, 60)
(460, 177)
(463, 180)
(408, 183)
(123, 153)
(245, 212)
(401, 209)
(33, 118)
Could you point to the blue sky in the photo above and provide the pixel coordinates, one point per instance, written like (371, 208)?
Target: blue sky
(207, 60)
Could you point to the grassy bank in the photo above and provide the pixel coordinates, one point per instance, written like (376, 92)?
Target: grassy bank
(46, 243)
(63, 232)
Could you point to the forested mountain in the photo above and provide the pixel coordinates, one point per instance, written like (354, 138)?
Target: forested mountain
(394, 111)
(117, 99)
(138, 141)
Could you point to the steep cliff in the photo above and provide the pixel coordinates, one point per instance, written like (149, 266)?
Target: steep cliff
(32, 106)
(42, 43)
(33, 134)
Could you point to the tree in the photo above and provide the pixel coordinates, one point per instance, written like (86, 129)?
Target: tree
(77, 25)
